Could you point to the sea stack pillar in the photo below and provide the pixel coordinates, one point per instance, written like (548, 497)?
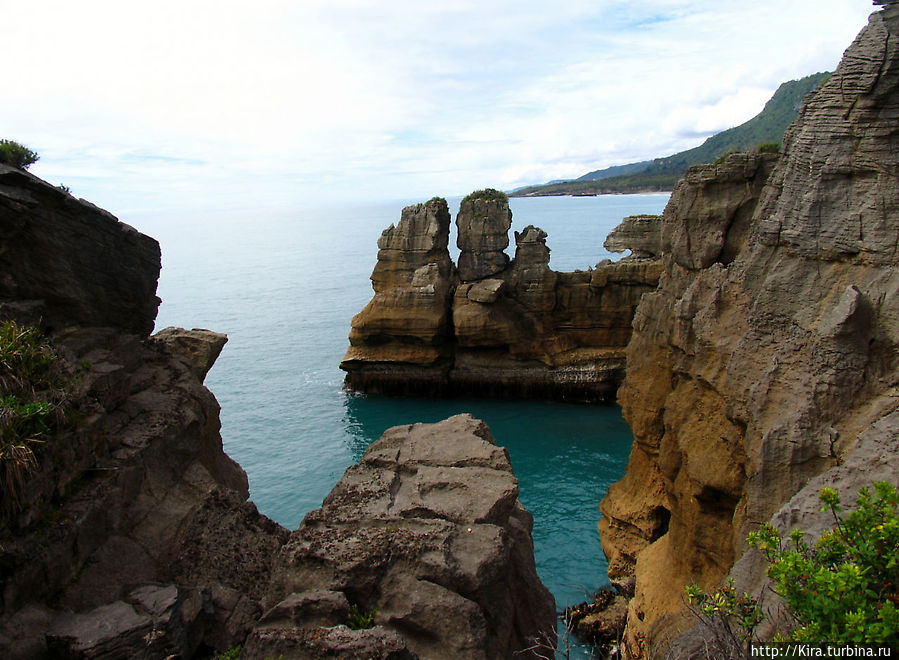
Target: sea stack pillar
(483, 222)
(400, 342)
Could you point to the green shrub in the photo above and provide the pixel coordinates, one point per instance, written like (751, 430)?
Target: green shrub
(25, 357)
(32, 403)
(17, 155)
(359, 619)
(723, 157)
(489, 194)
(768, 148)
(844, 589)
(231, 653)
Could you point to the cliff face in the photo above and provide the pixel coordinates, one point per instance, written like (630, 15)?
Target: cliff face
(767, 356)
(66, 262)
(493, 325)
(131, 535)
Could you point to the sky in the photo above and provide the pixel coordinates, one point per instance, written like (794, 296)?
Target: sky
(188, 105)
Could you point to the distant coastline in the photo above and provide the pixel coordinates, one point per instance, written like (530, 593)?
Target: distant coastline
(636, 191)
(764, 132)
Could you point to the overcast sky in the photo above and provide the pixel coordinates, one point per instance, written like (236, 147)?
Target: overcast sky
(183, 105)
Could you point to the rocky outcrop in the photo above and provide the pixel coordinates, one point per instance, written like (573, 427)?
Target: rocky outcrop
(408, 323)
(131, 535)
(641, 234)
(421, 550)
(134, 524)
(505, 328)
(64, 261)
(765, 365)
(484, 220)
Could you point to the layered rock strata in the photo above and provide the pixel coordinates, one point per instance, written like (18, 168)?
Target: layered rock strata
(131, 535)
(765, 365)
(506, 327)
(426, 538)
(65, 261)
(408, 322)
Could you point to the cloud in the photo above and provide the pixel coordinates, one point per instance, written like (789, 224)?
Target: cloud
(175, 105)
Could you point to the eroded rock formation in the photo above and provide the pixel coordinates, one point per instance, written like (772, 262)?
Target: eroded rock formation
(497, 326)
(132, 536)
(408, 322)
(65, 261)
(427, 537)
(765, 364)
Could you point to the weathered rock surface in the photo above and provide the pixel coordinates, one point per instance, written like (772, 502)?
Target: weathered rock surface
(641, 234)
(200, 348)
(427, 536)
(509, 328)
(132, 535)
(140, 492)
(65, 261)
(408, 322)
(484, 220)
(765, 365)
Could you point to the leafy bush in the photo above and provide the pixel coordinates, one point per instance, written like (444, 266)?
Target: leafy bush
(17, 155)
(844, 589)
(720, 159)
(231, 653)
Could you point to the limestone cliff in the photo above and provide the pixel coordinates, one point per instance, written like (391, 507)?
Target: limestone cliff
(131, 534)
(765, 364)
(494, 325)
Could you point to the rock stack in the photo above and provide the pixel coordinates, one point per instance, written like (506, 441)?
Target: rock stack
(513, 328)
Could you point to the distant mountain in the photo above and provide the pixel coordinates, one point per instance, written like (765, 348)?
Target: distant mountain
(662, 173)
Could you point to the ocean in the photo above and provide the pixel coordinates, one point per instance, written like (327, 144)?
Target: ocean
(284, 285)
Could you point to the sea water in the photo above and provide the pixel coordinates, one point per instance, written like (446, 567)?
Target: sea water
(284, 285)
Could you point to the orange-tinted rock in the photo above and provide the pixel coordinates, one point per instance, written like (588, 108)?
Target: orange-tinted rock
(508, 328)
(765, 363)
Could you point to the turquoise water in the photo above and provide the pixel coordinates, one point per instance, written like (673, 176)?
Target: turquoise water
(284, 286)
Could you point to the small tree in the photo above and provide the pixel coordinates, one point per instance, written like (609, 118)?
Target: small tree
(17, 155)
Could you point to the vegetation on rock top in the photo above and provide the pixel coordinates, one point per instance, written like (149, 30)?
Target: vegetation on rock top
(17, 155)
(489, 194)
